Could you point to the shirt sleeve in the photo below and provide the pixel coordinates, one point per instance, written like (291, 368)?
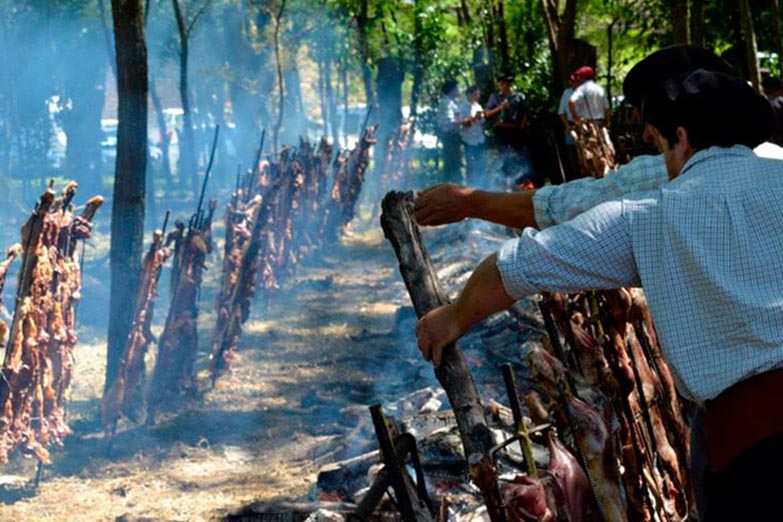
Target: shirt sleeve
(563, 107)
(592, 252)
(577, 95)
(493, 101)
(555, 204)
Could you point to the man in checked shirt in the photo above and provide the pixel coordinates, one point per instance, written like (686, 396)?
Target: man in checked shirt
(708, 249)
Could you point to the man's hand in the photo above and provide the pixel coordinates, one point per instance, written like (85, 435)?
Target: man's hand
(442, 204)
(437, 329)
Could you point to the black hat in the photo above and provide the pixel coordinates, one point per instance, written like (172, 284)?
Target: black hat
(715, 108)
(448, 86)
(771, 84)
(506, 77)
(667, 63)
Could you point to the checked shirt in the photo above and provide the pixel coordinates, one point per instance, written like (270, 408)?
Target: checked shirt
(708, 249)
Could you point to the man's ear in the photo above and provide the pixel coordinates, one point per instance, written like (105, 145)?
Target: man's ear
(682, 137)
(683, 148)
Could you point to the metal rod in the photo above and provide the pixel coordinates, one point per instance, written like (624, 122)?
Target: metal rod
(209, 169)
(554, 336)
(519, 421)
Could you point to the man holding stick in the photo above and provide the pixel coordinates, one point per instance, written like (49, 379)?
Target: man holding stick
(708, 249)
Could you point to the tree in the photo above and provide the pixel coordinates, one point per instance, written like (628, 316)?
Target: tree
(560, 32)
(127, 218)
(749, 39)
(188, 163)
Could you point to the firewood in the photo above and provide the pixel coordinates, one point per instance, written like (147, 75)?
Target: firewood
(400, 229)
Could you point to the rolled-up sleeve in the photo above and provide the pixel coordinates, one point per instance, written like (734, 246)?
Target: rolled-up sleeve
(556, 204)
(592, 252)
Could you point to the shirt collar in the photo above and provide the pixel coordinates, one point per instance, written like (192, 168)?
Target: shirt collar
(707, 154)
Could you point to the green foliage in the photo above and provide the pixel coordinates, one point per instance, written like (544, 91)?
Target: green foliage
(535, 80)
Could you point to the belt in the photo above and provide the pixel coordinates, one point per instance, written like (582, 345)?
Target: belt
(741, 416)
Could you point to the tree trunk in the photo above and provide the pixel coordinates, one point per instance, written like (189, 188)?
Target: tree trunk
(297, 122)
(551, 21)
(280, 81)
(389, 85)
(697, 22)
(187, 168)
(418, 58)
(749, 37)
(245, 66)
(362, 28)
(127, 220)
(775, 8)
(500, 17)
(680, 21)
(560, 32)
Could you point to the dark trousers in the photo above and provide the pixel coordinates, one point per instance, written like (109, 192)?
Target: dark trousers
(452, 158)
(476, 165)
(749, 487)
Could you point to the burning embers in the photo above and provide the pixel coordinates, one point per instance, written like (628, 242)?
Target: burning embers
(38, 364)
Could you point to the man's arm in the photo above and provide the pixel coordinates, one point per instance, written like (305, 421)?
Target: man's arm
(539, 208)
(483, 295)
(593, 251)
(449, 203)
(572, 110)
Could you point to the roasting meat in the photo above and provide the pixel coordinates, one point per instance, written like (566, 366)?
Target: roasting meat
(125, 396)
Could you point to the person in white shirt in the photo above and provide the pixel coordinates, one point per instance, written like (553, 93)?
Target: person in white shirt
(449, 123)
(473, 138)
(589, 101)
(567, 120)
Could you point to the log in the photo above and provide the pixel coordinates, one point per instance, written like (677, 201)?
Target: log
(417, 271)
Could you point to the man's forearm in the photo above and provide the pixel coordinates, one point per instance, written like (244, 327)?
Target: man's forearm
(512, 209)
(483, 295)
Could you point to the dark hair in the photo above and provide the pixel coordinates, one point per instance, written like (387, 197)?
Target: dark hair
(470, 90)
(448, 86)
(714, 108)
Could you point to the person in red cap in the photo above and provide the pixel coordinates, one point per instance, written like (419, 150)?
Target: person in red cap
(589, 101)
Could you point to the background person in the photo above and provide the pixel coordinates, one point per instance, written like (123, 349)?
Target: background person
(591, 113)
(473, 138)
(507, 113)
(449, 123)
(567, 120)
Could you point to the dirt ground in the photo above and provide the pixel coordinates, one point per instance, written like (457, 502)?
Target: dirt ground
(327, 342)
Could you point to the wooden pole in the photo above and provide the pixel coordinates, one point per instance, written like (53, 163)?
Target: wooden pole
(399, 227)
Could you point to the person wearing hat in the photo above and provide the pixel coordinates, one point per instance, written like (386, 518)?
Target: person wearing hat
(449, 124)
(588, 101)
(472, 135)
(708, 249)
(506, 112)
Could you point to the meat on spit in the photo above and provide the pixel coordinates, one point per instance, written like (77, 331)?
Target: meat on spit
(125, 396)
(38, 363)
